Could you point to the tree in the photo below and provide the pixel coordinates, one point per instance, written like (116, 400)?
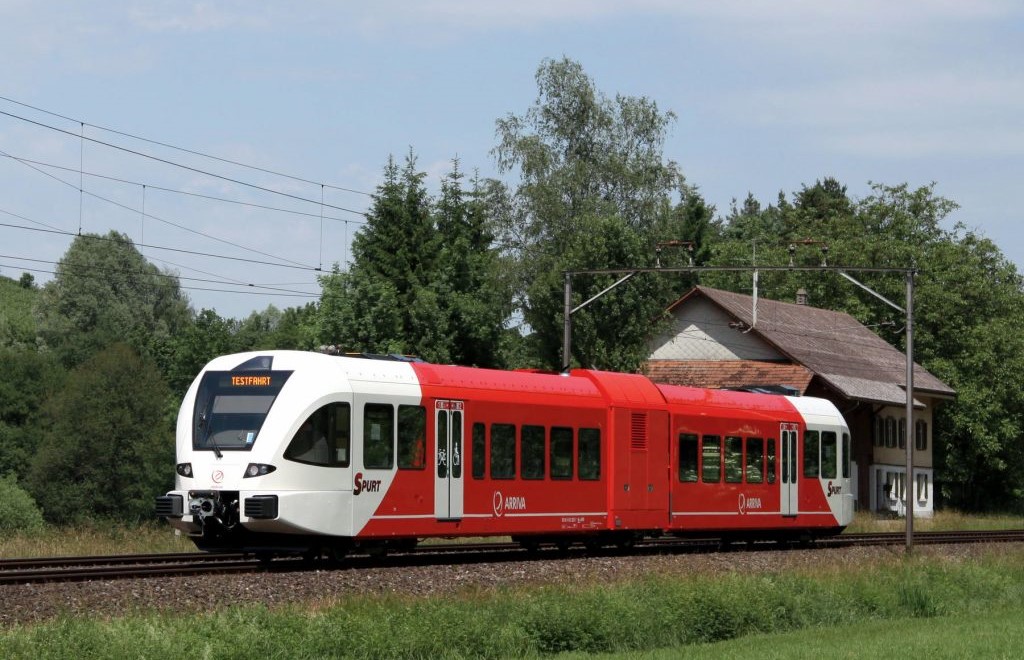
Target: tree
(384, 303)
(423, 276)
(103, 292)
(27, 380)
(467, 274)
(968, 300)
(589, 166)
(17, 323)
(207, 336)
(108, 447)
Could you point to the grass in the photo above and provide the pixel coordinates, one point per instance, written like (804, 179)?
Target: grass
(791, 611)
(942, 521)
(115, 539)
(996, 634)
(112, 539)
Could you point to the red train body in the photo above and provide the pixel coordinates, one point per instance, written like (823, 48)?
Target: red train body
(416, 450)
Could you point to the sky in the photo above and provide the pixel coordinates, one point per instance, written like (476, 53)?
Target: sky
(769, 96)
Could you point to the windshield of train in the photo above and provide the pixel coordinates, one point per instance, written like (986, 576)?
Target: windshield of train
(231, 406)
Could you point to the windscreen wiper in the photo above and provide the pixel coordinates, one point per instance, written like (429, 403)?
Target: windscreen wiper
(210, 436)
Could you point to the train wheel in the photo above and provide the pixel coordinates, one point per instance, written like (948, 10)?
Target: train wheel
(311, 556)
(530, 545)
(338, 553)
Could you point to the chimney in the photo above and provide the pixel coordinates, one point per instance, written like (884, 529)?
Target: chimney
(801, 296)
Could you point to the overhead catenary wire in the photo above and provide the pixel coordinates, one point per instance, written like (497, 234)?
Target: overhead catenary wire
(188, 193)
(156, 247)
(168, 222)
(185, 150)
(180, 165)
(186, 288)
(106, 269)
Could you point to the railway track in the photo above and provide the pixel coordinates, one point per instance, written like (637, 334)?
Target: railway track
(80, 569)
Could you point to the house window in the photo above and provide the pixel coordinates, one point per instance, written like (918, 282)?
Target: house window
(890, 432)
(921, 435)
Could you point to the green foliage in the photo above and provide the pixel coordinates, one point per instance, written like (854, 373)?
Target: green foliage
(17, 323)
(591, 174)
(107, 447)
(104, 291)
(27, 379)
(663, 612)
(18, 511)
(968, 300)
(423, 277)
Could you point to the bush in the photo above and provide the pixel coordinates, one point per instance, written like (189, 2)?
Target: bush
(18, 511)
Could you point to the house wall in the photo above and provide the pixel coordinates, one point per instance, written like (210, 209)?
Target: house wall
(887, 483)
(700, 331)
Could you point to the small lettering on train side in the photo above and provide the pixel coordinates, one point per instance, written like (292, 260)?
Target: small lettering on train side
(250, 381)
(747, 503)
(503, 503)
(365, 485)
(834, 490)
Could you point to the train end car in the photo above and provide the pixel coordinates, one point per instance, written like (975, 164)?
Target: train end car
(299, 452)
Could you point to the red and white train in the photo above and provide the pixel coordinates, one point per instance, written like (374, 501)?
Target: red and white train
(301, 452)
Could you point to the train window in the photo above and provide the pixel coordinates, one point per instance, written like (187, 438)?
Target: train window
(755, 460)
(479, 451)
(531, 449)
(561, 452)
(846, 456)
(771, 460)
(687, 457)
(589, 454)
(733, 459)
(412, 437)
(829, 455)
(378, 436)
(921, 435)
(503, 451)
(442, 450)
(711, 459)
(457, 444)
(811, 454)
(323, 439)
(231, 407)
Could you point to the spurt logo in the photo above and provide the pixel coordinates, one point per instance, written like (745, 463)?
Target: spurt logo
(366, 486)
(834, 490)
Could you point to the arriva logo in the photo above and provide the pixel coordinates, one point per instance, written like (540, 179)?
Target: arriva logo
(511, 503)
(748, 503)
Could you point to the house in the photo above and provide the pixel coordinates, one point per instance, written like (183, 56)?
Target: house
(717, 339)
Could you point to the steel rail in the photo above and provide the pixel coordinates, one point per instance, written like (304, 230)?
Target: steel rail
(80, 569)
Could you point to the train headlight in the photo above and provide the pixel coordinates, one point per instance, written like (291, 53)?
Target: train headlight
(258, 470)
(183, 469)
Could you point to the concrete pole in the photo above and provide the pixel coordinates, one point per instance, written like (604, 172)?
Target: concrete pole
(909, 481)
(567, 325)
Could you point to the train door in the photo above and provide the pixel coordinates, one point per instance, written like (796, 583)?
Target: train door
(448, 422)
(788, 483)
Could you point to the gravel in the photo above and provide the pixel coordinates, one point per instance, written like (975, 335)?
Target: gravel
(33, 603)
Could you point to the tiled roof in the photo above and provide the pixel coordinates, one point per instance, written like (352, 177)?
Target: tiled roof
(720, 374)
(833, 345)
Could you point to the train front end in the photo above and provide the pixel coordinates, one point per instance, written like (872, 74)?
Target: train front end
(260, 456)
